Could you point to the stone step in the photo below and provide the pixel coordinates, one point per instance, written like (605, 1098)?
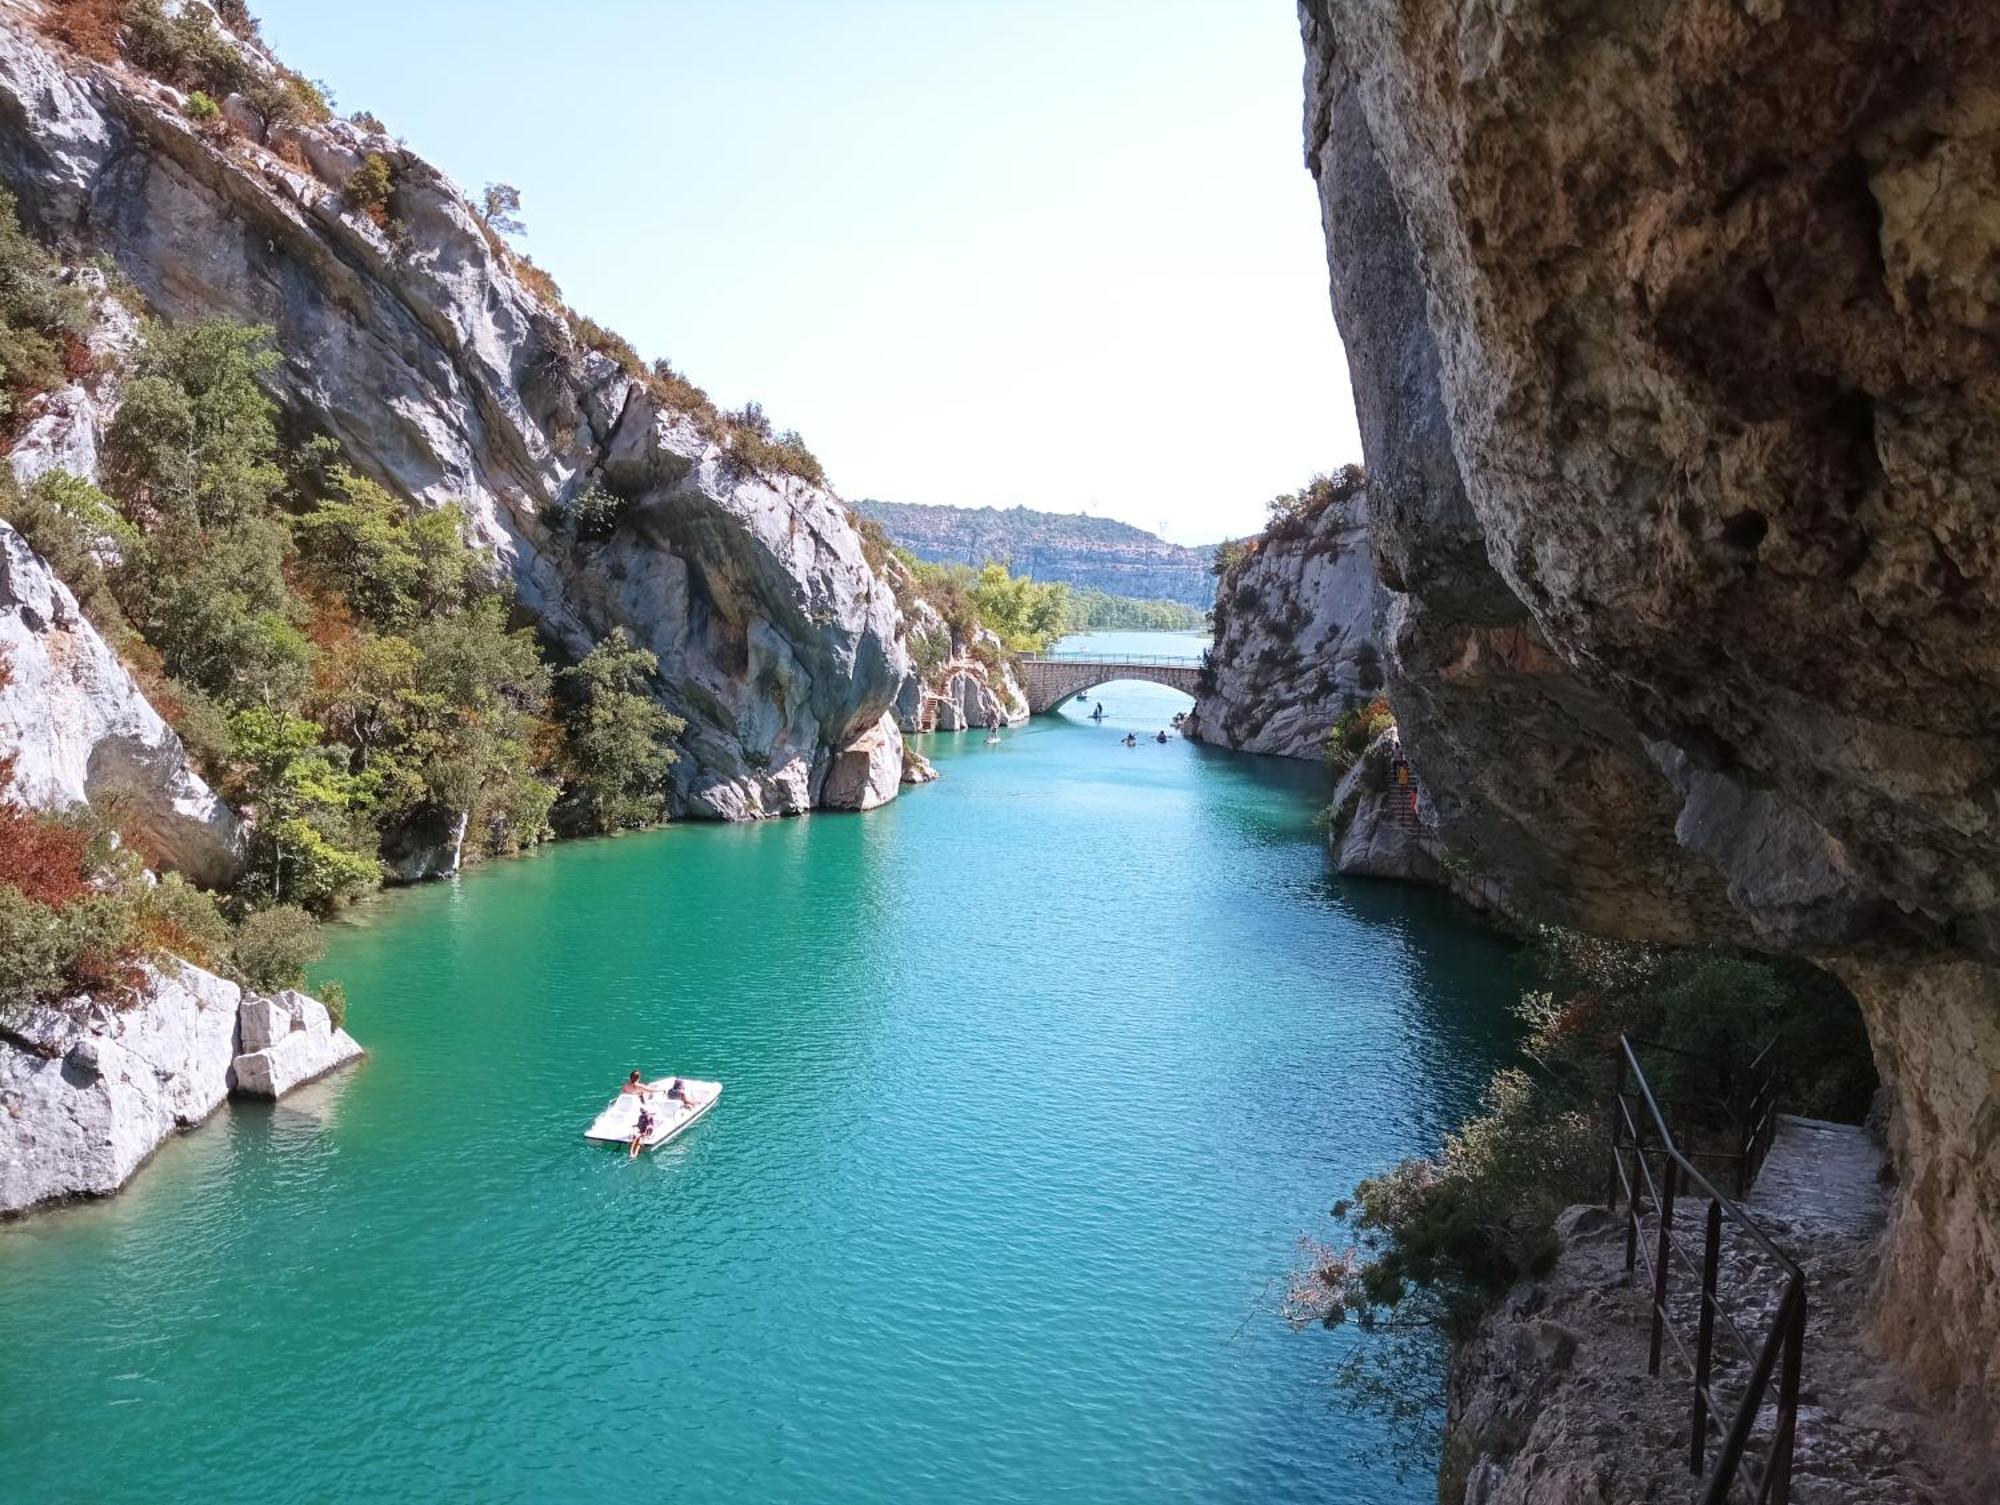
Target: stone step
(1823, 1176)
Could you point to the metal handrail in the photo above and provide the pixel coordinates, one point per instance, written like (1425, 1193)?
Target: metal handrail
(1783, 1343)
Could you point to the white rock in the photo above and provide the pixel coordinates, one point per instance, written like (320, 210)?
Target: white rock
(287, 1039)
(82, 732)
(868, 771)
(1297, 640)
(88, 1092)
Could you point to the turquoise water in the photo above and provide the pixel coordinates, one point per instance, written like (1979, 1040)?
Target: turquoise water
(1034, 1078)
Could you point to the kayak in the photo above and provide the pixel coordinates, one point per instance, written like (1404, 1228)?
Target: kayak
(620, 1121)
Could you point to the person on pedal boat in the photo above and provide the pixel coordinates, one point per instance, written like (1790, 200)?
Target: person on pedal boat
(677, 1093)
(639, 1134)
(634, 1087)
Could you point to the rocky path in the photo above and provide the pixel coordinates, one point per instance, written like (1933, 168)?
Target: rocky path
(1829, 1178)
(1552, 1404)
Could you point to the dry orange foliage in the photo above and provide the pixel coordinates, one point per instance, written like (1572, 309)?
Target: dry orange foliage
(90, 26)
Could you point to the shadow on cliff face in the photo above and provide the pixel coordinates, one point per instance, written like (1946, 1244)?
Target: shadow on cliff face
(1671, 340)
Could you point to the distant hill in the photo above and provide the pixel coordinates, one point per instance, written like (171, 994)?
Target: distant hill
(1095, 552)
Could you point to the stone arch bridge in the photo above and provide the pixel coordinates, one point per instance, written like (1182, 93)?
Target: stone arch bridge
(1051, 678)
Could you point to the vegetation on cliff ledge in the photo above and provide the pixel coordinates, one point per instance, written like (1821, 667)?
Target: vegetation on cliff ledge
(342, 664)
(1431, 1243)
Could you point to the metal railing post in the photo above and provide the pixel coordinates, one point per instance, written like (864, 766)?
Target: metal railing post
(1779, 1356)
(1669, 1173)
(1783, 1436)
(1617, 1111)
(1704, 1351)
(1632, 1197)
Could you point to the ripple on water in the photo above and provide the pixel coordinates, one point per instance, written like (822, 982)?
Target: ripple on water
(1033, 1079)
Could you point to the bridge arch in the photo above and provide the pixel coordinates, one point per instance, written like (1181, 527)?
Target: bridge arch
(1051, 679)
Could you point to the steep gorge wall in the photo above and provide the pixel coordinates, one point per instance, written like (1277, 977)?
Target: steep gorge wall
(1295, 638)
(420, 349)
(1673, 332)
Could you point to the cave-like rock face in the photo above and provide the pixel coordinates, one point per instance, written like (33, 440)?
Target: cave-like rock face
(421, 350)
(1673, 333)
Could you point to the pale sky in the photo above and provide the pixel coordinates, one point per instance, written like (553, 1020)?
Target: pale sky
(1054, 253)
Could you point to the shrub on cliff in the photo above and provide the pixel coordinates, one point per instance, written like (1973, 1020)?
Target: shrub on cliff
(42, 319)
(274, 947)
(1353, 729)
(370, 187)
(1431, 1242)
(752, 446)
(1290, 515)
(71, 524)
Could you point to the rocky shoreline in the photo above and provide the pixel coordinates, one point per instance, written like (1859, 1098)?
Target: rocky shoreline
(89, 1092)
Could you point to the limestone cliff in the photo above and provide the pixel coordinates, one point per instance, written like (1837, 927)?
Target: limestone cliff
(1295, 637)
(416, 343)
(80, 732)
(1672, 335)
(960, 679)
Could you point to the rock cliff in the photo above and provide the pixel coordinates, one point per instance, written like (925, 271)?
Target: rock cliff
(959, 681)
(80, 731)
(1379, 825)
(1098, 553)
(415, 342)
(1672, 335)
(1295, 639)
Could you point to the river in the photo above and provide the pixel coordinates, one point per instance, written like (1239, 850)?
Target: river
(1034, 1078)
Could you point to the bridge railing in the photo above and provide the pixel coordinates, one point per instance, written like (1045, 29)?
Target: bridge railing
(1151, 661)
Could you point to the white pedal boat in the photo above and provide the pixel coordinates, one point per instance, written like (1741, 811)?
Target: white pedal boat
(619, 1122)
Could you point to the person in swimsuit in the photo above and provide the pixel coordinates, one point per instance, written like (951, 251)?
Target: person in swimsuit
(633, 1087)
(677, 1093)
(639, 1134)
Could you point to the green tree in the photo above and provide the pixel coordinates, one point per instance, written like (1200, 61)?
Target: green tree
(196, 439)
(394, 564)
(619, 741)
(311, 844)
(501, 208)
(1024, 614)
(216, 605)
(275, 946)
